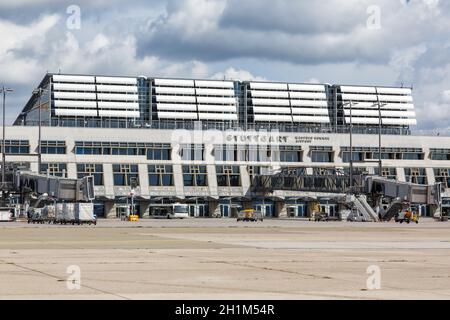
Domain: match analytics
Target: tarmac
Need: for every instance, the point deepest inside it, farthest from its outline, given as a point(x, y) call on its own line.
point(224, 259)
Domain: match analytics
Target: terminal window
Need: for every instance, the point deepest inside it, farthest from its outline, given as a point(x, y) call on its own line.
point(442, 175)
point(16, 146)
point(125, 174)
point(54, 169)
point(228, 176)
point(195, 176)
point(91, 169)
point(370, 153)
point(321, 154)
point(53, 147)
point(230, 152)
point(259, 153)
point(389, 173)
point(254, 171)
point(160, 175)
point(416, 175)
point(153, 151)
point(192, 152)
point(159, 152)
point(290, 154)
point(440, 154)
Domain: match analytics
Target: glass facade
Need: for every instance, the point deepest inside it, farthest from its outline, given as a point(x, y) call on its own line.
point(16, 146)
point(372, 153)
point(53, 147)
point(126, 175)
point(228, 176)
point(159, 152)
point(442, 175)
point(389, 173)
point(440, 154)
point(153, 151)
point(195, 176)
point(416, 175)
point(160, 175)
point(54, 169)
point(192, 152)
point(91, 169)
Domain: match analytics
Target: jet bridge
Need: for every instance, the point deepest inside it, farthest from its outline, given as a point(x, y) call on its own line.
point(64, 189)
point(401, 193)
point(404, 191)
point(363, 194)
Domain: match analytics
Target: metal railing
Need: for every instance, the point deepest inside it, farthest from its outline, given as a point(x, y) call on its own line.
point(221, 126)
point(431, 133)
point(338, 184)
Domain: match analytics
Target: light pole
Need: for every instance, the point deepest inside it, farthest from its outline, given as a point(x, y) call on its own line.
point(379, 132)
point(350, 103)
point(132, 202)
point(4, 90)
point(39, 92)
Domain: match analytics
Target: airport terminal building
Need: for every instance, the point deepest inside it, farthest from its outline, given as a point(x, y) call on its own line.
point(202, 142)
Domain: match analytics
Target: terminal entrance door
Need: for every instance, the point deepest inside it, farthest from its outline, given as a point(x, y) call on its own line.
point(329, 209)
point(198, 210)
point(266, 209)
point(122, 211)
point(225, 210)
point(296, 211)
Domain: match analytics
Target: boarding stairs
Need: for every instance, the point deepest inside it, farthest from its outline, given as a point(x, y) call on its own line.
point(363, 209)
point(393, 209)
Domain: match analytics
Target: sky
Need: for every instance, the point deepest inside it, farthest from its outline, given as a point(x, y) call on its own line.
point(367, 42)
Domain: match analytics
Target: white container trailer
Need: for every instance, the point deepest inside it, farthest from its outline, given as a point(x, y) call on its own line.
point(69, 212)
point(5, 216)
point(84, 213)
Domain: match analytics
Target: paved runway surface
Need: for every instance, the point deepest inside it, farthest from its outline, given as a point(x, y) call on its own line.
point(224, 259)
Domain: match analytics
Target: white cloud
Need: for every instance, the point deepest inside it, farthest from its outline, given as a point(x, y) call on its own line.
point(17, 38)
point(403, 61)
point(261, 39)
point(196, 16)
point(234, 74)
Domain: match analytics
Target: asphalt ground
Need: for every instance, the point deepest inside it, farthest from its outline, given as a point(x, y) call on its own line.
point(225, 259)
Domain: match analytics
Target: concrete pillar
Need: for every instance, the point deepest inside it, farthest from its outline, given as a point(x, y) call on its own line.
point(145, 209)
point(430, 176)
point(108, 179)
point(401, 174)
point(212, 181)
point(34, 167)
point(178, 180)
point(110, 210)
point(143, 180)
point(245, 179)
point(72, 170)
point(214, 208)
point(280, 209)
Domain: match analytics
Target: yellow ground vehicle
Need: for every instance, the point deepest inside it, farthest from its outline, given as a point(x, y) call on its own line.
point(133, 217)
point(250, 215)
point(316, 214)
point(407, 216)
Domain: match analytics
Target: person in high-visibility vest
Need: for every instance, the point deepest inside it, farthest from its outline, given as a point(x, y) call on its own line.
point(408, 214)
